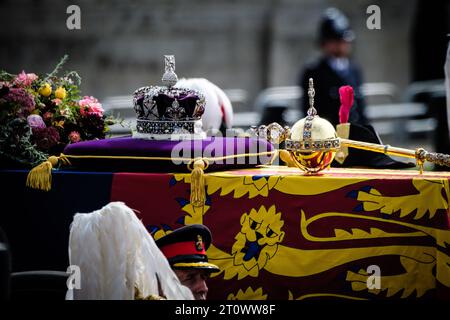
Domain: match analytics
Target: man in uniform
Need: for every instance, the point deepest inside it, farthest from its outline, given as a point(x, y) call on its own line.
point(185, 249)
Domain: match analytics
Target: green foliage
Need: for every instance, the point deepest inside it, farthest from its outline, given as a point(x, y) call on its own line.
point(16, 145)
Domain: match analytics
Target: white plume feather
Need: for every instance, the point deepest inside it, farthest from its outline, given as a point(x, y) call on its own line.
point(116, 254)
point(218, 106)
point(225, 106)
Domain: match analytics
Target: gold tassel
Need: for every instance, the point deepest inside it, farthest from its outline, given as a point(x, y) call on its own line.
point(40, 177)
point(198, 196)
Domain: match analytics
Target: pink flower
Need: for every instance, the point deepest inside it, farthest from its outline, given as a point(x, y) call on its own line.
point(90, 105)
point(35, 121)
point(57, 101)
point(48, 116)
point(74, 136)
point(25, 79)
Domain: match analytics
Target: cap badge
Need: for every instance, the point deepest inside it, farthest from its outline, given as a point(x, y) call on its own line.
point(199, 243)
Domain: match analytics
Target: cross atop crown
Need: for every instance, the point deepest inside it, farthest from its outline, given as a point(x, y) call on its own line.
point(169, 78)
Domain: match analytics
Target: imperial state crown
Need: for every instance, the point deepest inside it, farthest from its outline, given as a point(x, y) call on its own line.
point(167, 112)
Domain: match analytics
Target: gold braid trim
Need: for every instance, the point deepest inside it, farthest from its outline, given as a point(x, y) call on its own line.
point(40, 177)
point(188, 160)
point(194, 264)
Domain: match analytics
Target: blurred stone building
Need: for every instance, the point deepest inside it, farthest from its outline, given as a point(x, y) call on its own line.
point(249, 44)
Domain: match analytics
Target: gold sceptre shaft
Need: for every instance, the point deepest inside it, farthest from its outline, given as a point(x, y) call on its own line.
point(381, 148)
point(420, 154)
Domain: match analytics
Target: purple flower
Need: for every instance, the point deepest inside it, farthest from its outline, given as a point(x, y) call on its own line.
point(45, 138)
point(22, 98)
point(35, 121)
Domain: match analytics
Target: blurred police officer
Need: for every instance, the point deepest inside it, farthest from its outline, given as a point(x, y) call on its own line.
point(334, 69)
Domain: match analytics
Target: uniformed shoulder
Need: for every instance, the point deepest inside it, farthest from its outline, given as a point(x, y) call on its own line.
point(311, 69)
point(312, 64)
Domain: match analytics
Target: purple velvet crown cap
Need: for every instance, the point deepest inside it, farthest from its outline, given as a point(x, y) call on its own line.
point(165, 104)
point(168, 103)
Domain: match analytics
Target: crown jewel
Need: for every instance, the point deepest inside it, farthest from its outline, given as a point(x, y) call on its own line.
point(311, 143)
point(168, 112)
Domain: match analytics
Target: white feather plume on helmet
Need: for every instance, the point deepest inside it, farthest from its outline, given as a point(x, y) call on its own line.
point(117, 256)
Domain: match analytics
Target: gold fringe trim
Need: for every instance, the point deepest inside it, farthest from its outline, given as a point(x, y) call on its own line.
point(40, 177)
point(188, 160)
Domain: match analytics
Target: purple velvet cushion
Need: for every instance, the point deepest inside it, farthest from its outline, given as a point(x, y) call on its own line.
point(139, 155)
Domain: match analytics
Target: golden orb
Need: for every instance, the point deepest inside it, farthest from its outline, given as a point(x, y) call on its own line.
point(313, 144)
point(313, 140)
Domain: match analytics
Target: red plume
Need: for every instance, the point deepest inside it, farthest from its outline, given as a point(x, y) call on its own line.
point(346, 96)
